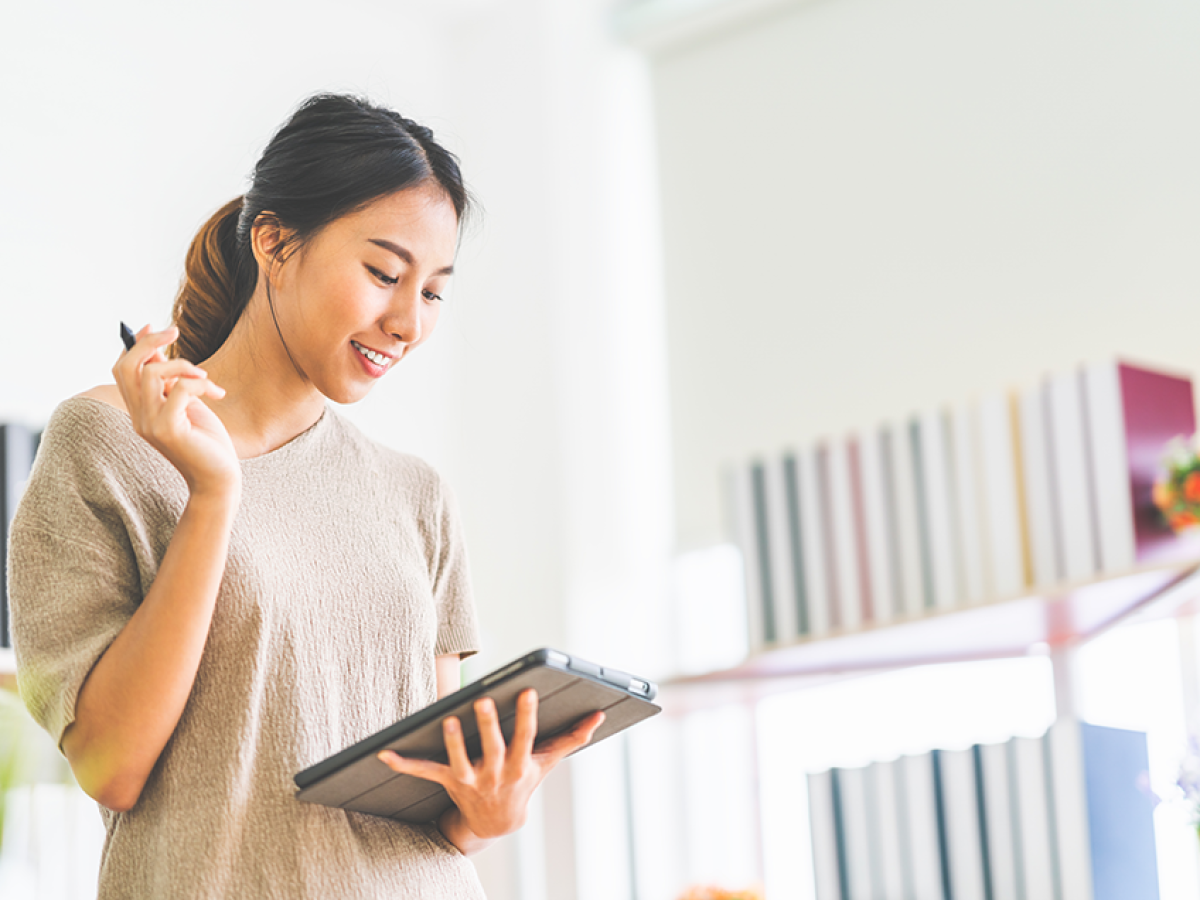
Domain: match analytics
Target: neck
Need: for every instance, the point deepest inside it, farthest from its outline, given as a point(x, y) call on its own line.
point(268, 402)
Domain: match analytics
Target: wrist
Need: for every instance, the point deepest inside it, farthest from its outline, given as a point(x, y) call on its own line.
point(217, 499)
point(454, 829)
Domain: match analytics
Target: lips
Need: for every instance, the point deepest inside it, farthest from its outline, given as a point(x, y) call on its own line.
point(379, 359)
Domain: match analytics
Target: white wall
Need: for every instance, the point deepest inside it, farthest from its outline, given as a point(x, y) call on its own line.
point(542, 397)
point(875, 206)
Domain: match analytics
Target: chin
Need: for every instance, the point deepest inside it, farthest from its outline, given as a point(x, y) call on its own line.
point(344, 394)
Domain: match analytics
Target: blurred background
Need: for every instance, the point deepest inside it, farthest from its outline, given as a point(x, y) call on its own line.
point(710, 229)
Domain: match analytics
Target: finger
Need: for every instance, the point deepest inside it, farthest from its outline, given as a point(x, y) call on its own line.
point(490, 737)
point(173, 368)
point(152, 343)
point(456, 751)
point(172, 411)
point(421, 768)
point(563, 745)
point(525, 730)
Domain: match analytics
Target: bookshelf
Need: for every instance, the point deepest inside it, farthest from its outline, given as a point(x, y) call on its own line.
point(1063, 616)
point(1017, 524)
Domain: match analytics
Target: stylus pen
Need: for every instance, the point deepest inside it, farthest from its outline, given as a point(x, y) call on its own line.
point(127, 336)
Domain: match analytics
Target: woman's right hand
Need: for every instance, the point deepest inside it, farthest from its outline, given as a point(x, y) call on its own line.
point(163, 399)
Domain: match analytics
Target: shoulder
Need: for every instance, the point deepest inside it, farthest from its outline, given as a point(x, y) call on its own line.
point(105, 393)
point(396, 469)
point(89, 438)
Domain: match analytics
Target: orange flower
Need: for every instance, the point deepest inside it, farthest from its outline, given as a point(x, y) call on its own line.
point(1183, 520)
point(1191, 488)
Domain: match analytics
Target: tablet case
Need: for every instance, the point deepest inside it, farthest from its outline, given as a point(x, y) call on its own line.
point(568, 689)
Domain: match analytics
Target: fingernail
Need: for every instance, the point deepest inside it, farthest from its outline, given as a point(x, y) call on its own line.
point(451, 724)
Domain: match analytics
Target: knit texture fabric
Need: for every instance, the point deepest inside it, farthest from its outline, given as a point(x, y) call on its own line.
point(346, 576)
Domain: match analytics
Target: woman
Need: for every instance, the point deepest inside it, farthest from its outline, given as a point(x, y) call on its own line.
point(216, 581)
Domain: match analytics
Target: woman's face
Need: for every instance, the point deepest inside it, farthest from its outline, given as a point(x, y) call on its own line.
point(364, 292)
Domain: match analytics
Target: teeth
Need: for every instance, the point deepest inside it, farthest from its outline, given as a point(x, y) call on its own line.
point(378, 358)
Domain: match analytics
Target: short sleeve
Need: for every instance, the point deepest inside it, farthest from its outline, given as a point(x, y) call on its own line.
point(457, 628)
point(73, 574)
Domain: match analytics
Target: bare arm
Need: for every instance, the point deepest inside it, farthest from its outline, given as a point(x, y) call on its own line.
point(131, 701)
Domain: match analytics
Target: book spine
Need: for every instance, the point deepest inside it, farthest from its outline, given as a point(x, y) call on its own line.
point(1068, 800)
point(1110, 467)
point(798, 534)
point(858, 516)
point(909, 527)
point(743, 522)
point(828, 863)
point(920, 802)
point(964, 842)
point(1120, 814)
point(780, 544)
point(844, 538)
point(815, 534)
point(1073, 495)
point(1034, 821)
point(894, 855)
point(999, 808)
point(1000, 498)
point(1038, 496)
point(935, 480)
point(968, 513)
point(878, 514)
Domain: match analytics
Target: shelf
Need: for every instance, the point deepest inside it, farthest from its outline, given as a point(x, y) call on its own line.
point(1014, 627)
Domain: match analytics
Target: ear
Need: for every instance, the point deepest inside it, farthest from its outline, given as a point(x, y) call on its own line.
point(269, 242)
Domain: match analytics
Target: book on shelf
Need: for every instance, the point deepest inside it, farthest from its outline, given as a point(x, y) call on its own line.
point(859, 833)
point(998, 822)
point(1132, 414)
point(814, 538)
point(895, 863)
point(827, 855)
point(740, 493)
point(1006, 563)
point(966, 481)
point(877, 538)
point(965, 858)
point(960, 506)
point(916, 777)
point(1104, 818)
point(934, 501)
point(1041, 818)
point(1070, 467)
point(781, 545)
point(1037, 488)
point(17, 447)
point(847, 571)
point(900, 472)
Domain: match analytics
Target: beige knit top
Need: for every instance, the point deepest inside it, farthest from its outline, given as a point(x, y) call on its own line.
point(346, 576)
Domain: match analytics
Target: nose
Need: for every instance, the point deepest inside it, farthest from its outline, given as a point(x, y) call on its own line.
point(403, 317)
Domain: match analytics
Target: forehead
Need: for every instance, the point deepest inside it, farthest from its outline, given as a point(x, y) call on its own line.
point(420, 219)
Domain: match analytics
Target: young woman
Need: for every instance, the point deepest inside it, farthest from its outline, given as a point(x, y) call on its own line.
point(216, 581)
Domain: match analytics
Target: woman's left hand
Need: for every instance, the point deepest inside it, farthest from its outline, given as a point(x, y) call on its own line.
point(491, 794)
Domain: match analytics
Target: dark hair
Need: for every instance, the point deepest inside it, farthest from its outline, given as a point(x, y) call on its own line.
point(336, 154)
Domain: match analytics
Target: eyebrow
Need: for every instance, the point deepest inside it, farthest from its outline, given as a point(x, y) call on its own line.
point(405, 255)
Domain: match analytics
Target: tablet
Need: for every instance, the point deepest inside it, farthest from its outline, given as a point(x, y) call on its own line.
point(569, 688)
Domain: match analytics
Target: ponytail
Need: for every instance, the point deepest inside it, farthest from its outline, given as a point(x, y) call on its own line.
point(219, 277)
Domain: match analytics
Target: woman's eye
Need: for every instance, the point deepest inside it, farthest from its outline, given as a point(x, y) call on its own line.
point(386, 279)
point(431, 296)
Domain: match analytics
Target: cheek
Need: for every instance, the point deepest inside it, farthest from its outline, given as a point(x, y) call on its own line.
point(429, 318)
